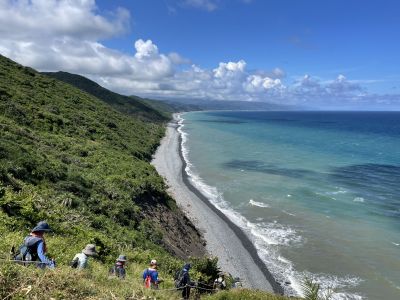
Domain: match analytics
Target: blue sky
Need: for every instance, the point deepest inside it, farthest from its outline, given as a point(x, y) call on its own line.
point(333, 54)
point(360, 39)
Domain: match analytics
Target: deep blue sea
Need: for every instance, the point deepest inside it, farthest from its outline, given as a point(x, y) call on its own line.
point(317, 192)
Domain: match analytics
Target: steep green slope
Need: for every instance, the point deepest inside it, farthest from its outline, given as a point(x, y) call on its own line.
point(134, 106)
point(71, 159)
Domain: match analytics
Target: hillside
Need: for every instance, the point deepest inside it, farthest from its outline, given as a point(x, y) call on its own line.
point(69, 158)
point(134, 106)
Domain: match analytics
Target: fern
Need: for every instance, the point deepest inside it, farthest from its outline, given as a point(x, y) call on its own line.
point(310, 289)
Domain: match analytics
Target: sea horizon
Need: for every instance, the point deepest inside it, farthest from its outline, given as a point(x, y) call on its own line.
point(281, 228)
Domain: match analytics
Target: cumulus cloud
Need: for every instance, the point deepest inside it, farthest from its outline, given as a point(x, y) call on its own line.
point(256, 83)
point(37, 18)
point(66, 35)
point(342, 86)
point(52, 35)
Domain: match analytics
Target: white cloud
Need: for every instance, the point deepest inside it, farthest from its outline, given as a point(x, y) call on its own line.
point(65, 35)
point(342, 86)
point(38, 18)
point(256, 83)
point(230, 69)
point(145, 50)
point(52, 35)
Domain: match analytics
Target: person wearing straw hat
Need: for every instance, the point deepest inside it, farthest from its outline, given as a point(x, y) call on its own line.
point(119, 267)
point(80, 260)
point(34, 247)
point(150, 276)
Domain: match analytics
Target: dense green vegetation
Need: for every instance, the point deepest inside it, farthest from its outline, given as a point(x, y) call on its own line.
point(68, 158)
point(82, 165)
point(147, 109)
point(134, 105)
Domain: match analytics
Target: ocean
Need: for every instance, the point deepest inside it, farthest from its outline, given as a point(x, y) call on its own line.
point(318, 193)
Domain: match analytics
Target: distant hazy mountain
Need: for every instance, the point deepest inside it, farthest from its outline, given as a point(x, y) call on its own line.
point(151, 109)
point(196, 104)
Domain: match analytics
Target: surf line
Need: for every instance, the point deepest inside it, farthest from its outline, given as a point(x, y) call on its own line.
point(244, 239)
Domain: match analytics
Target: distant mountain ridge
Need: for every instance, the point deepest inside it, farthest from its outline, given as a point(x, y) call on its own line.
point(135, 106)
point(161, 109)
point(228, 104)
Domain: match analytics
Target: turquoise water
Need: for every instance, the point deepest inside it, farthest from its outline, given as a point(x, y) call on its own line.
point(318, 193)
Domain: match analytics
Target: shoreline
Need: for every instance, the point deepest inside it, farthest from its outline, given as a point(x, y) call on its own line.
point(225, 240)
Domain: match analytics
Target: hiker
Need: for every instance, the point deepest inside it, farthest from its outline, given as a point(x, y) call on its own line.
point(34, 247)
point(118, 269)
point(80, 260)
point(183, 281)
point(150, 276)
point(220, 283)
point(237, 283)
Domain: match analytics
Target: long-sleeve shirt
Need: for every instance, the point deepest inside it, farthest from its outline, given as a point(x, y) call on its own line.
point(42, 256)
point(82, 259)
point(37, 248)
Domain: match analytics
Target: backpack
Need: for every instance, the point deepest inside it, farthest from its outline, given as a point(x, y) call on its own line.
point(74, 263)
point(178, 278)
point(119, 272)
point(23, 254)
point(147, 281)
point(28, 250)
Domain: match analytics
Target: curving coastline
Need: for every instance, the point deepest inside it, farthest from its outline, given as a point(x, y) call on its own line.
point(237, 254)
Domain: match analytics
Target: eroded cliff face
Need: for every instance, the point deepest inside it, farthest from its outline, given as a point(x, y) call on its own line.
point(179, 236)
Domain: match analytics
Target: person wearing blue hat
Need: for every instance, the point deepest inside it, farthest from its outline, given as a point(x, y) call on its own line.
point(185, 281)
point(36, 245)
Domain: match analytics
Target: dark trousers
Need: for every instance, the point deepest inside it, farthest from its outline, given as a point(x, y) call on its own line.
point(186, 292)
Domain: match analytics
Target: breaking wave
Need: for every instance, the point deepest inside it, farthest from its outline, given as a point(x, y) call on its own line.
point(259, 204)
point(268, 237)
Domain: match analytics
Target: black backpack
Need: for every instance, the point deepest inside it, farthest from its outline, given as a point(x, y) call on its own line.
point(178, 278)
point(74, 263)
point(28, 250)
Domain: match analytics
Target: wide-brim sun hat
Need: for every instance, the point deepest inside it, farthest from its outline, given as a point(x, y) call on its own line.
point(121, 258)
point(42, 226)
point(90, 250)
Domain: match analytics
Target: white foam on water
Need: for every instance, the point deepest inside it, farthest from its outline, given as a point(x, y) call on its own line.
point(396, 244)
point(268, 237)
point(274, 233)
point(340, 191)
point(258, 204)
point(288, 213)
point(359, 199)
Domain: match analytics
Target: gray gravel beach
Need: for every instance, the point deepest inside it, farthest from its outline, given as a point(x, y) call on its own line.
point(225, 240)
